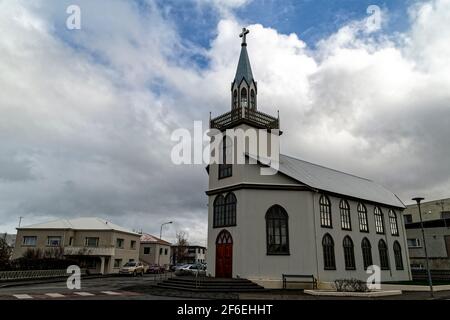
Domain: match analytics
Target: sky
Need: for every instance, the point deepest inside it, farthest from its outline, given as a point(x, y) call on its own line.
point(86, 116)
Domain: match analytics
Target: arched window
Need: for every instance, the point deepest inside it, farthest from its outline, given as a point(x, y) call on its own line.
point(325, 212)
point(329, 261)
point(398, 256)
point(393, 222)
point(362, 217)
point(349, 253)
point(367, 253)
point(252, 99)
point(379, 223)
point(383, 251)
point(219, 211)
point(277, 231)
point(235, 102)
point(230, 210)
point(244, 98)
point(345, 215)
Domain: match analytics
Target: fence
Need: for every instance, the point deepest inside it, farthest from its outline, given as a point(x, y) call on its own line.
point(438, 275)
point(34, 274)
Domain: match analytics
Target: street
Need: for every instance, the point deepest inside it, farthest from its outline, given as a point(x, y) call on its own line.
point(110, 288)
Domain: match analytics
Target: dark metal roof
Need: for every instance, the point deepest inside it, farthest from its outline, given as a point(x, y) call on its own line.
point(244, 70)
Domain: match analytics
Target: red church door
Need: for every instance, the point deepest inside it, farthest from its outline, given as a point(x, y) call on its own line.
point(224, 255)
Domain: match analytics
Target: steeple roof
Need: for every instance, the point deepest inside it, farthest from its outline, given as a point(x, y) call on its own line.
point(244, 70)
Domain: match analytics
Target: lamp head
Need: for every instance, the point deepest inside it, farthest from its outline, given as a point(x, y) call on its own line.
point(418, 199)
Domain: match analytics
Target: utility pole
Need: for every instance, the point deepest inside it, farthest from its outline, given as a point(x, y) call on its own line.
point(430, 281)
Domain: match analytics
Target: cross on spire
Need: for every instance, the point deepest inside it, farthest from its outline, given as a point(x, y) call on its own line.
point(243, 35)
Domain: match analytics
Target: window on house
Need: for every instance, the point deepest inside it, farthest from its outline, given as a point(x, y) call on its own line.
point(252, 99)
point(29, 241)
point(120, 243)
point(398, 256)
point(117, 263)
point(379, 223)
point(235, 99)
point(277, 233)
point(225, 168)
point(393, 222)
point(165, 252)
point(383, 252)
point(349, 254)
point(414, 243)
point(345, 215)
point(325, 212)
point(219, 211)
point(244, 98)
point(362, 217)
point(91, 242)
point(445, 214)
point(54, 241)
point(160, 251)
point(133, 244)
point(146, 250)
point(329, 261)
point(71, 241)
point(224, 211)
point(408, 218)
point(367, 253)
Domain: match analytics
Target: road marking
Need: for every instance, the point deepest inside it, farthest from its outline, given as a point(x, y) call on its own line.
point(84, 294)
point(112, 293)
point(22, 296)
point(55, 295)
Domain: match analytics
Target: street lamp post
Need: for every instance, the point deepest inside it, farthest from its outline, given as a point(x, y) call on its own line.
point(430, 281)
point(160, 237)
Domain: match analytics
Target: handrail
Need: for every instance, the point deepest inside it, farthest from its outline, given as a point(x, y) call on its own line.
point(253, 116)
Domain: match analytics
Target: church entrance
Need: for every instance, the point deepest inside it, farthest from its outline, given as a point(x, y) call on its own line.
point(224, 255)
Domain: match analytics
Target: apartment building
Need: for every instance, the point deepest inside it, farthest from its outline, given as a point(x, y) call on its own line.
point(96, 244)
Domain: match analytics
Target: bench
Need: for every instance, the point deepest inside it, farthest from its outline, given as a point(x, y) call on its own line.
point(306, 278)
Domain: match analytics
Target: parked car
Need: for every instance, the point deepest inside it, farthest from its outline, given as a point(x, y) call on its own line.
point(192, 270)
point(154, 268)
point(132, 268)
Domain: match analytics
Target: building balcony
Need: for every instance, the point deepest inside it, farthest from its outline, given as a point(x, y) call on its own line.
point(89, 251)
point(248, 116)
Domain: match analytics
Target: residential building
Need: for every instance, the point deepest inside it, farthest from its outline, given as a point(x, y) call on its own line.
point(188, 254)
point(431, 210)
point(437, 236)
point(301, 219)
point(153, 250)
point(98, 245)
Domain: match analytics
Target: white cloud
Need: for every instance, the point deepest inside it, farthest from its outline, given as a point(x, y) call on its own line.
point(87, 115)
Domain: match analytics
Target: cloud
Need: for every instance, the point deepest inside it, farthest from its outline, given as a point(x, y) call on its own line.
point(87, 115)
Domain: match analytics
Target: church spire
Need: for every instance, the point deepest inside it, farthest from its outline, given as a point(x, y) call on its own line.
point(244, 69)
point(243, 88)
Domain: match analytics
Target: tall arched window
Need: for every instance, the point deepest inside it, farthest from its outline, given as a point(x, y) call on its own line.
point(325, 212)
point(367, 253)
point(277, 231)
point(244, 98)
point(379, 221)
point(329, 261)
point(398, 256)
point(230, 210)
point(235, 102)
point(252, 99)
point(345, 215)
point(349, 253)
point(383, 251)
point(219, 211)
point(393, 222)
point(362, 217)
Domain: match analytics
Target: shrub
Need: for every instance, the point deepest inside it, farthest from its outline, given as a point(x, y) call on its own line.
point(350, 285)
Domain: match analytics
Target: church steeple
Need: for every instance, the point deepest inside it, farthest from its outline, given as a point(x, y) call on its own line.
point(243, 88)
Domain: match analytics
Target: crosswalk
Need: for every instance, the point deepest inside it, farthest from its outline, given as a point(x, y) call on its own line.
point(69, 295)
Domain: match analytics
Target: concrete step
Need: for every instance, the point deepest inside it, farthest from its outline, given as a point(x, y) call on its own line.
point(210, 285)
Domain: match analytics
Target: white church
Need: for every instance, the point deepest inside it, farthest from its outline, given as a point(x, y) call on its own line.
point(304, 220)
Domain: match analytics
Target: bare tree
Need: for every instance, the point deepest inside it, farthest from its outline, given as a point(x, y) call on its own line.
point(181, 247)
